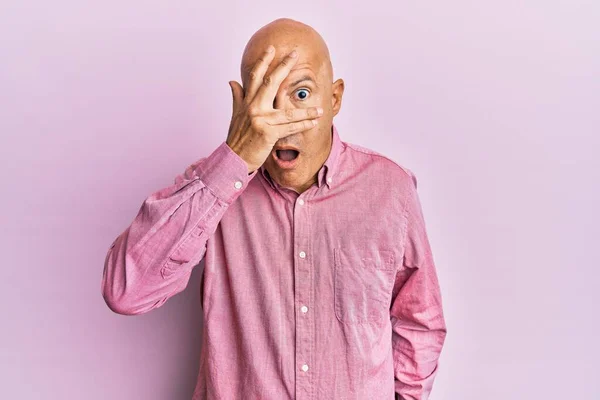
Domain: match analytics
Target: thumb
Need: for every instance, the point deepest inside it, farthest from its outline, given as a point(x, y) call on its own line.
point(238, 94)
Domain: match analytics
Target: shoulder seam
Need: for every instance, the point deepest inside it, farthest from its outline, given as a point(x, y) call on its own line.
point(370, 152)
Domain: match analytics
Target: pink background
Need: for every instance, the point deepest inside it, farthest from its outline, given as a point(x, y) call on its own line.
point(494, 105)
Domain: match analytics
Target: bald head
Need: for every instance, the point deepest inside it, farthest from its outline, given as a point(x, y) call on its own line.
point(286, 35)
point(308, 83)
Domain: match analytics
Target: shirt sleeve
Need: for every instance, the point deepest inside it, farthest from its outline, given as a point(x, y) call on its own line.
point(153, 258)
point(418, 326)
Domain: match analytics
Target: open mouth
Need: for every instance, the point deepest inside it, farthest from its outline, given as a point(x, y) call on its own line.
point(287, 155)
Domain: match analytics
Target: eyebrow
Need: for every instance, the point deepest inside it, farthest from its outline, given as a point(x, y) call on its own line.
point(302, 79)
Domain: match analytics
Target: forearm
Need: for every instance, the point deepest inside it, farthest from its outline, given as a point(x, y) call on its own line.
point(416, 354)
point(153, 258)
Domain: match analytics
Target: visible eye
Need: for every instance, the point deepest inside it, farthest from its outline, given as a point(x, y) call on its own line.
point(302, 94)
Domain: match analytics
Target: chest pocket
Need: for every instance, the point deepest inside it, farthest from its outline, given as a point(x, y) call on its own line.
point(363, 284)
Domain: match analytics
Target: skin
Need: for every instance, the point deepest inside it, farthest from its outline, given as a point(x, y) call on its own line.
point(275, 107)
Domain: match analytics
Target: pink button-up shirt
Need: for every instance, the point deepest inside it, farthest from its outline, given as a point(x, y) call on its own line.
point(328, 294)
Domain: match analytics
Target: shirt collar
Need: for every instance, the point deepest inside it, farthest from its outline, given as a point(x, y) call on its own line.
point(327, 171)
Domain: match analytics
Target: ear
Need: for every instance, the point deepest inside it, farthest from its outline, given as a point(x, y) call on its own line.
point(336, 95)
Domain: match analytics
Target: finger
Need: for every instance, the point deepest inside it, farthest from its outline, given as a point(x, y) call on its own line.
point(270, 85)
point(295, 127)
point(286, 116)
point(256, 75)
point(237, 93)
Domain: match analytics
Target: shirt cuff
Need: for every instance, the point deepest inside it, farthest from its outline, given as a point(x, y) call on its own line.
point(225, 173)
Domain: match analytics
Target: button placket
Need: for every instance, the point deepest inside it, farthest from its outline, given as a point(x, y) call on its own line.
point(303, 294)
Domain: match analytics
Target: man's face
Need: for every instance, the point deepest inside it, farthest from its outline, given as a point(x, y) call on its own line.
point(309, 84)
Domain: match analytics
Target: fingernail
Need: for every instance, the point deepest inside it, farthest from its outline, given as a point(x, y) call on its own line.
point(293, 54)
point(319, 111)
point(270, 48)
point(314, 122)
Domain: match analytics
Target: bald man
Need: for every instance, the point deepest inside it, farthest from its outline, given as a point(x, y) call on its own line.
point(319, 280)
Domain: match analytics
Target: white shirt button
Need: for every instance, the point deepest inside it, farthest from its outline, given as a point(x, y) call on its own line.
point(304, 309)
point(302, 254)
point(301, 202)
point(238, 185)
point(305, 368)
